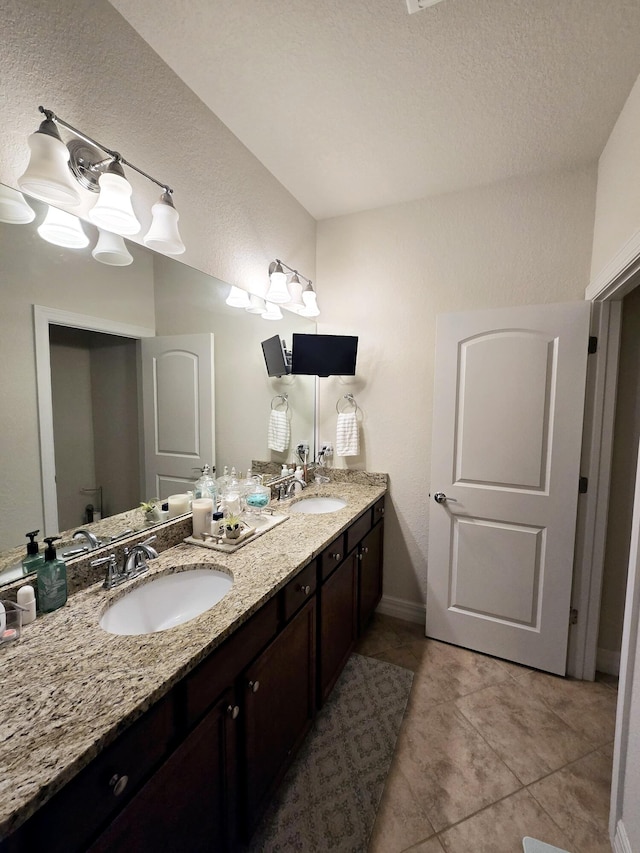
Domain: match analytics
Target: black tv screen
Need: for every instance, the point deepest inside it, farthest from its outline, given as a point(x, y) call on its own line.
point(324, 355)
point(274, 356)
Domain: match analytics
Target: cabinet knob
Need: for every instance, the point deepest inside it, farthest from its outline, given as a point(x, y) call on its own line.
point(118, 784)
point(335, 556)
point(380, 510)
point(254, 686)
point(233, 711)
point(365, 550)
point(305, 590)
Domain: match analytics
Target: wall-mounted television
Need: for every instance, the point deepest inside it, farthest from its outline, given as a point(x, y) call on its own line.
point(276, 356)
point(324, 355)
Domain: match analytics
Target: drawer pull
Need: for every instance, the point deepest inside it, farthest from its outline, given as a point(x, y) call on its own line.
point(254, 686)
point(233, 711)
point(335, 556)
point(365, 550)
point(118, 784)
point(305, 590)
point(380, 510)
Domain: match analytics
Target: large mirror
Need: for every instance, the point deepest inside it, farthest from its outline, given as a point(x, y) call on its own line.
point(94, 413)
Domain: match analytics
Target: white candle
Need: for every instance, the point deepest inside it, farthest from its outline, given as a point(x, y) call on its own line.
point(178, 505)
point(202, 511)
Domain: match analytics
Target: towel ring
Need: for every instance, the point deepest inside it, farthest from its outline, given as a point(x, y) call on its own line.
point(350, 400)
point(284, 401)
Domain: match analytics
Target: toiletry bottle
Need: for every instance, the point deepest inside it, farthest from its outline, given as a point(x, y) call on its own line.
point(52, 579)
point(205, 486)
point(34, 559)
point(26, 598)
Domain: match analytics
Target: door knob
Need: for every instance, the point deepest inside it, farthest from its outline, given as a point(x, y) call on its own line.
point(441, 498)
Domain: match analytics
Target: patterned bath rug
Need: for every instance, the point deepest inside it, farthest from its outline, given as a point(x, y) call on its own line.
point(330, 794)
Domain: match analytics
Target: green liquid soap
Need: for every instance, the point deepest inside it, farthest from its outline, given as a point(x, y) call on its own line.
point(52, 579)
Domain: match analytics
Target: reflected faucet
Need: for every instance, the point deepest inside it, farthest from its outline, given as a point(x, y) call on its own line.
point(91, 539)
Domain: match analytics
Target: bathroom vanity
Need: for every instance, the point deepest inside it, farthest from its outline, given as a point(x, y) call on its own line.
point(178, 739)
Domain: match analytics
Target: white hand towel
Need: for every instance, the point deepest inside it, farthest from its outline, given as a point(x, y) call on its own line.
point(279, 431)
point(347, 435)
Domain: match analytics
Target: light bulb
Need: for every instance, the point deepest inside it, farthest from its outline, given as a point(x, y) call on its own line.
point(256, 305)
point(63, 229)
point(238, 298)
point(13, 207)
point(273, 312)
point(47, 176)
point(111, 250)
point(163, 234)
point(278, 291)
point(113, 210)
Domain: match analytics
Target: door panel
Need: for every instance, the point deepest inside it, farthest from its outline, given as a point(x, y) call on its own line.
point(178, 405)
point(508, 409)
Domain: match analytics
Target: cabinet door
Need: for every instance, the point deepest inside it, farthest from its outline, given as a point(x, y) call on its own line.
point(369, 575)
point(279, 709)
point(189, 804)
point(338, 623)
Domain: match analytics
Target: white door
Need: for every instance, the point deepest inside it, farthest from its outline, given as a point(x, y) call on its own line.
point(178, 411)
point(508, 409)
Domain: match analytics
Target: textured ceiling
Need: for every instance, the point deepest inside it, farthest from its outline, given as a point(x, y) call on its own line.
point(355, 104)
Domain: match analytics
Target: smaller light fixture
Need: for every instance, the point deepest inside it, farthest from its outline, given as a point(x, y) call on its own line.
point(310, 303)
point(273, 312)
point(238, 298)
point(295, 289)
point(256, 305)
point(113, 210)
point(13, 207)
point(63, 229)
point(278, 291)
point(47, 176)
point(163, 234)
point(111, 250)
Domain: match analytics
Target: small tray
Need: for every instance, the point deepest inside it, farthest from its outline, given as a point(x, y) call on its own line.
point(260, 525)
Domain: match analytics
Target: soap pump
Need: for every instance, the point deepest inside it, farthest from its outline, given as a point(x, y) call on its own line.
point(33, 559)
point(52, 579)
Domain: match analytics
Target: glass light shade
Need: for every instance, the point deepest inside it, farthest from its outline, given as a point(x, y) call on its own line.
point(163, 234)
point(14, 208)
point(278, 291)
point(63, 229)
point(237, 298)
point(310, 304)
point(47, 176)
point(111, 250)
point(273, 312)
point(113, 210)
point(295, 291)
point(256, 305)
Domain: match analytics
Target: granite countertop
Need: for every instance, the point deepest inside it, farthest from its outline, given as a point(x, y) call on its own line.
point(69, 688)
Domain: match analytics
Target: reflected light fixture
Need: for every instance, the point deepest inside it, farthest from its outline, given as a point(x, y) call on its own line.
point(53, 166)
point(63, 229)
point(111, 250)
point(237, 298)
point(256, 305)
point(13, 207)
point(272, 312)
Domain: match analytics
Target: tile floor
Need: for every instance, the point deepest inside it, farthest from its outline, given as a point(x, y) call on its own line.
point(490, 752)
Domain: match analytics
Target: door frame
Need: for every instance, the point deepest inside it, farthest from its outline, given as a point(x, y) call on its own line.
point(44, 317)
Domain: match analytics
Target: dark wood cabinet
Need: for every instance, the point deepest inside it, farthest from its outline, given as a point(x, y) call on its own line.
point(198, 769)
point(189, 803)
point(279, 706)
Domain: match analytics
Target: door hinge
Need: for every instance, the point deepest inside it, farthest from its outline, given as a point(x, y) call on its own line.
point(573, 616)
point(593, 345)
point(583, 485)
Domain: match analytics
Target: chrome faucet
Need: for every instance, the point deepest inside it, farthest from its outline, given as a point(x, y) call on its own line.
point(293, 487)
point(91, 539)
point(135, 563)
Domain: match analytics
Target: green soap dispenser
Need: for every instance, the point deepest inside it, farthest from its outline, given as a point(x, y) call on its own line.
point(52, 579)
point(33, 559)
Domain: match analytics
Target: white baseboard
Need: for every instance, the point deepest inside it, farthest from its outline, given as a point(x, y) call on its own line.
point(621, 840)
point(608, 662)
point(410, 611)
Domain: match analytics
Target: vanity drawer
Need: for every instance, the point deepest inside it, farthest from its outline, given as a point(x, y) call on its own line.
point(222, 667)
point(358, 530)
point(69, 820)
point(298, 591)
point(332, 556)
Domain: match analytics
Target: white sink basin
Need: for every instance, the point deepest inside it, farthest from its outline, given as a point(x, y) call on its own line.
point(317, 505)
point(166, 601)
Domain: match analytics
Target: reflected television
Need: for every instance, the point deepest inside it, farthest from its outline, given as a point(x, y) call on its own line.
point(275, 356)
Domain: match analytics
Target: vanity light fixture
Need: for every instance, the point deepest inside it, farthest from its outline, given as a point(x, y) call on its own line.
point(63, 229)
point(14, 209)
point(111, 250)
point(291, 292)
point(278, 291)
point(238, 298)
point(48, 177)
point(310, 302)
point(272, 312)
point(256, 304)
point(295, 289)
